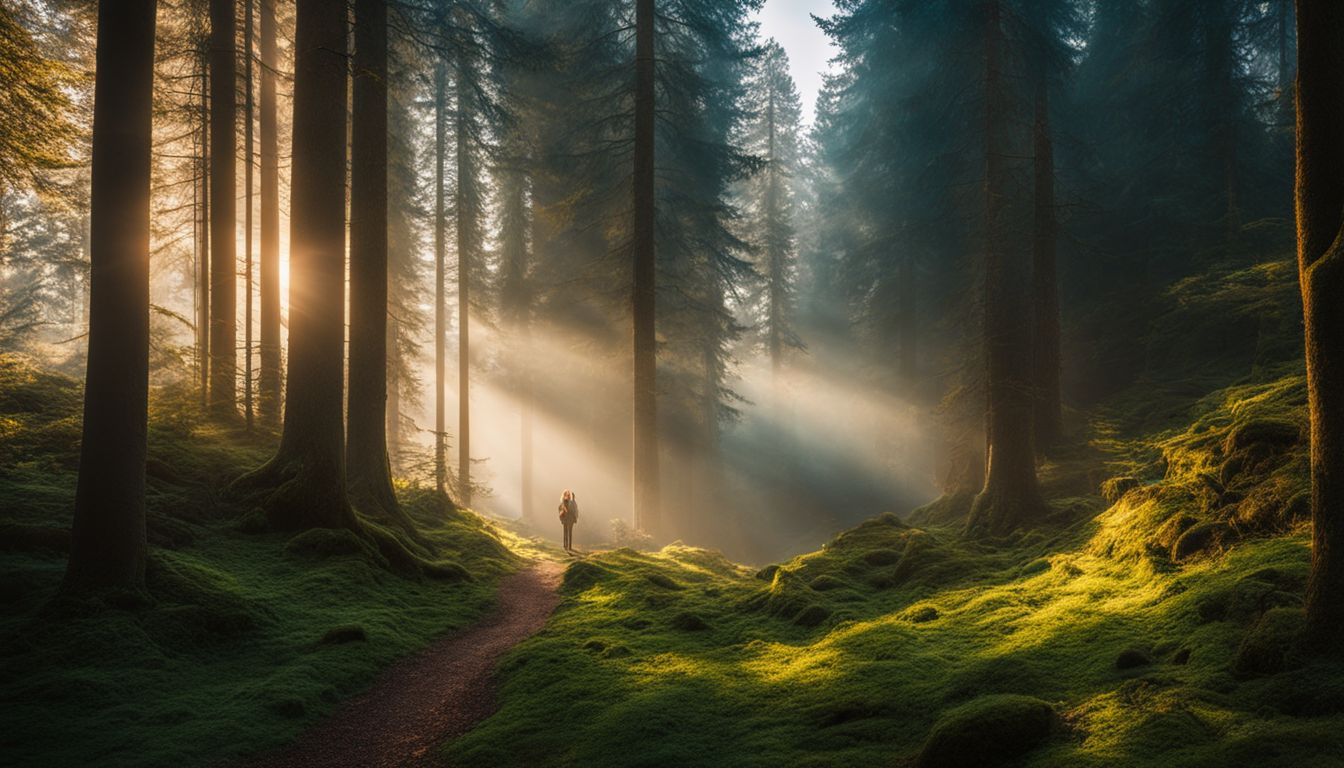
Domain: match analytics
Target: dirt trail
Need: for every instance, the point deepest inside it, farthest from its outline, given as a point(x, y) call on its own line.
point(431, 696)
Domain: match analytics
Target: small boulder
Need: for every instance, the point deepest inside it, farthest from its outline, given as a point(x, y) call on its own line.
point(812, 616)
point(1170, 531)
point(1131, 658)
point(1273, 645)
point(881, 557)
point(689, 622)
point(923, 614)
point(1270, 432)
point(350, 633)
point(826, 582)
point(1200, 538)
point(989, 731)
point(662, 580)
point(1115, 488)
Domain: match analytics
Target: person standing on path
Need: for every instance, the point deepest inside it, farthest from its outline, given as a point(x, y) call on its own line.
point(569, 515)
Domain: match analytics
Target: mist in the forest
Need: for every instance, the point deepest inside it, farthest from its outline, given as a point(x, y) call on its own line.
point(809, 449)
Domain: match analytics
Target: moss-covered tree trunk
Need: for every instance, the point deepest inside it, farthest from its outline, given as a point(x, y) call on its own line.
point(645, 438)
point(223, 209)
point(307, 474)
point(1010, 497)
point(107, 547)
point(1045, 288)
point(268, 387)
point(367, 466)
point(1320, 253)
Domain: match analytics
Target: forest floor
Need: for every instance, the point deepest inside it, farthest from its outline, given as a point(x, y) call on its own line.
point(244, 638)
point(433, 695)
point(1151, 618)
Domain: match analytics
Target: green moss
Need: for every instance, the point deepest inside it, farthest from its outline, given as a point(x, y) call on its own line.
point(989, 731)
point(928, 639)
point(232, 628)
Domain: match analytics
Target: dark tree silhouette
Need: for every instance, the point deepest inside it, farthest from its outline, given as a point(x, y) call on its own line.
point(248, 274)
point(1045, 288)
point(645, 438)
point(307, 474)
point(1010, 496)
point(440, 278)
point(269, 385)
point(367, 465)
point(223, 213)
point(107, 547)
point(1320, 259)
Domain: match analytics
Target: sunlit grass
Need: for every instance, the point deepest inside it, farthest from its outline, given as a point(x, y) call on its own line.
point(849, 655)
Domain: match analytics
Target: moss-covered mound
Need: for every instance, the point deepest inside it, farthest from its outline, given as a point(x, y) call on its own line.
point(989, 731)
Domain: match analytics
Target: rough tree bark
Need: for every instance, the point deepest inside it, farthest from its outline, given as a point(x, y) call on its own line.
point(223, 213)
point(1320, 258)
point(307, 474)
point(774, 259)
point(269, 384)
point(645, 428)
point(1045, 289)
point(107, 547)
point(440, 299)
point(1010, 497)
point(464, 205)
point(367, 466)
point(203, 270)
point(247, 214)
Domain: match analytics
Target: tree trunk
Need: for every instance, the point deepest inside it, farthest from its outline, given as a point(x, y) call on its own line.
point(269, 384)
point(525, 443)
point(1045, 289)
point(203, 285)
point(367, 464)
point(1010, 496)
point(773, 258)
point(1320, 258)
point(308, 471)
point(465, 208)
point(247, 215)
point(440, 300)
point(393, 396)
point(223, 213)
point(107, 543)
point(645, 437)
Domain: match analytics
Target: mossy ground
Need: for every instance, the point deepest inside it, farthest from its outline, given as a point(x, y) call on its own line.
point(241, 638)
point(1155, 611)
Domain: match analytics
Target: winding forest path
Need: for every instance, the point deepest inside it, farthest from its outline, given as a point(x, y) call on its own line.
point(430, 696)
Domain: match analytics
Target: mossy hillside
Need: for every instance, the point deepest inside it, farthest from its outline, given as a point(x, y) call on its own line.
point(879, 648)
point(240, 639)
point(1237, 468)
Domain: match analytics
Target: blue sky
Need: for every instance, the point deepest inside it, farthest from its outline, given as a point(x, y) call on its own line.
point(789, 22)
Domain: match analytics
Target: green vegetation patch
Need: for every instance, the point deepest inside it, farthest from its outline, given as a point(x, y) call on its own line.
point(1159, 631)
point(240, 639)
